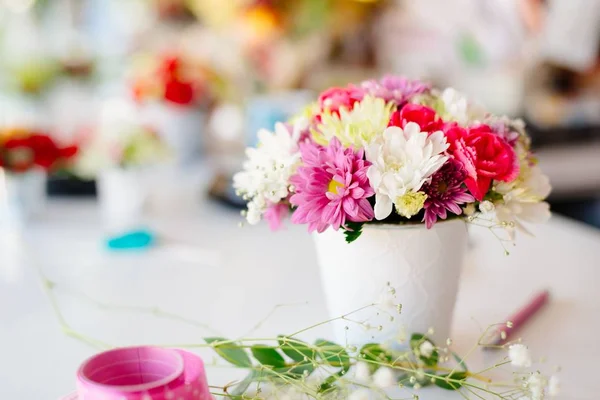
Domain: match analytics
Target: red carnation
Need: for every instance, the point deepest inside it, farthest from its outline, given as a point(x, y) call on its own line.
point(485, 156)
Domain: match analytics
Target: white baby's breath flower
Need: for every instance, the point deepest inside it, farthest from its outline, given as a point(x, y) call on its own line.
point(536, 384)
point(360, 394)
point(362, 372)
point(426, 349)
point(357, 127)
point(523, 198)
point(267, 171)
point(519, 355)
point(384, 378)
point(554, 386)
point(403, 159)
point(486, 207)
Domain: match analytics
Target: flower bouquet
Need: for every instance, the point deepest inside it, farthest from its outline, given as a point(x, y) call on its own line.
point(394, 167)
point(172, 90)
point(25, 158)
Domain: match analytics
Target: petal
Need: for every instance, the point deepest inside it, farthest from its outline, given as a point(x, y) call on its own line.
point(383, 206)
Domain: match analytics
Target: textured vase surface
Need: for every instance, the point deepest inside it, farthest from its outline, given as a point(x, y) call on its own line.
point(409, 271)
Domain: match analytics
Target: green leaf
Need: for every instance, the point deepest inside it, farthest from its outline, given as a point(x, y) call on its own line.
point(416, 340)
point(230, 351)
point(328, 383)
point(296, 351)
point(352, 231)
point(460, 361)
point(333, 354)
point(297, 371)
point(374, 352)
point(442, 381)
point(267, 355)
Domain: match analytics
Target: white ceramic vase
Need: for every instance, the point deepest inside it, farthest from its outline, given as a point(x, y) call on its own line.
point(122, 195)
point(22, 196)
point(410, 265)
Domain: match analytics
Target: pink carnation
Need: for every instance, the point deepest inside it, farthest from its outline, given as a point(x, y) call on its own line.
point(332, 187)
point(335, 98)
point(485, 156)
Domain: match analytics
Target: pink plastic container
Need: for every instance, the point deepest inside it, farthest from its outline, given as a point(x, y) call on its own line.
point(142, 373)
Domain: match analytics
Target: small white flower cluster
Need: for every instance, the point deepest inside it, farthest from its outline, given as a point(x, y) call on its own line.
point(265, 179)
point(536, 385)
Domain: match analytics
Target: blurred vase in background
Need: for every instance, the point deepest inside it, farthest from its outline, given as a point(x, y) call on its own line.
point(22, 196)
point(122, 195)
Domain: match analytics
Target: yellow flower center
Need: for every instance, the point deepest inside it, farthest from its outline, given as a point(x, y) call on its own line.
point(410, 204)
point(334, 186)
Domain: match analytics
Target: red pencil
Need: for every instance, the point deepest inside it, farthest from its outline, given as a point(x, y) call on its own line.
point(518, 319)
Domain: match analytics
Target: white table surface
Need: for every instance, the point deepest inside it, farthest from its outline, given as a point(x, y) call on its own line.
point(230, 278)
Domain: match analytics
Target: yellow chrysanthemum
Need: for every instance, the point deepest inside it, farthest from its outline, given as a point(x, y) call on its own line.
point(357, 127)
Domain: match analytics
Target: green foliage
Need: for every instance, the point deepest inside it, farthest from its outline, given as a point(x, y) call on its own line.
point(332, 353)
point(267, 356)
point(444, 382)
point(295, 349)
point(352, 231)
point(374, 352)
point(416, 340)
point(230, 351)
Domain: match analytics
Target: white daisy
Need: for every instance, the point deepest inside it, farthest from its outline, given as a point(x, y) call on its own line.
point(403, 160)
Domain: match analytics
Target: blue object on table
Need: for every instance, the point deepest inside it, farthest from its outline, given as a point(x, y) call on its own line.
point(135, 240)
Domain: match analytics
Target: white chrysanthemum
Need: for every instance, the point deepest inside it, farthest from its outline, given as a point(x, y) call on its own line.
point(384, 378)
point(519, 355)
point(426, 349)
point(536, 385)
point(357, 127)
point(523, 198)
point(403, 160)
point(362, 372)
point(457, 107)
point(265, 178)
point(554, 386)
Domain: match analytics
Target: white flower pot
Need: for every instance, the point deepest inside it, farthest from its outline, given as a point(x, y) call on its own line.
point(122, 195)
point(410, 265)
point(181, 128)
point(22, 195)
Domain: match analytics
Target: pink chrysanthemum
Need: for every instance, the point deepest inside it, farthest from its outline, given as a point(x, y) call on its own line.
point(398, 89)
point(331, 187)
point(445, 192)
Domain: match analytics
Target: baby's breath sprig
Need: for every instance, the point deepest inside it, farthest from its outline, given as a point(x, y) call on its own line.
point(289, 367)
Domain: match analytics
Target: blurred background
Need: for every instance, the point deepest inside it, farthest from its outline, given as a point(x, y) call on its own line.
point(89, 88)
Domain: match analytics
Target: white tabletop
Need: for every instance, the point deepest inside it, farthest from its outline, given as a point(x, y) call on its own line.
point(230, 278)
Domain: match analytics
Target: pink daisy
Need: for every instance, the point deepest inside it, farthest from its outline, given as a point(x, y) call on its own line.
point(445, 192)
point(331, 187)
